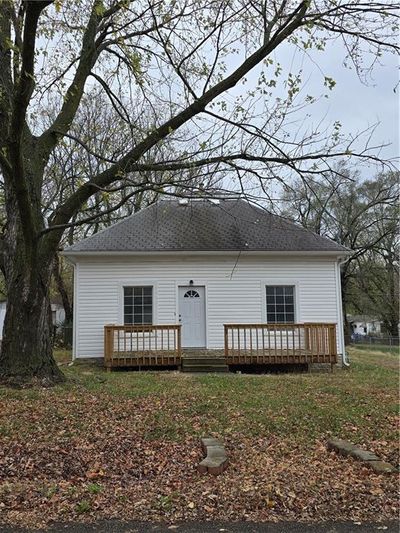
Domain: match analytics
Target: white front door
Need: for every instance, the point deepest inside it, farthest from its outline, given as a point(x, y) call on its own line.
point(192, 316)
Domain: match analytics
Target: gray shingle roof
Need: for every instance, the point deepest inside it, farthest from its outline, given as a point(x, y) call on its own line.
point(203, 225)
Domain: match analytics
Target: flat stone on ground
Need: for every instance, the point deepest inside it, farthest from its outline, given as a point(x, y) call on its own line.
point(209, 442)
point(364, 455)
point(341, 446)
point(347, 448)
point(381, 467)
point(216, 460)
point(215, 452)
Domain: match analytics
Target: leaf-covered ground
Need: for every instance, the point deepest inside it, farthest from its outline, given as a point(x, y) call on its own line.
point(126, 445)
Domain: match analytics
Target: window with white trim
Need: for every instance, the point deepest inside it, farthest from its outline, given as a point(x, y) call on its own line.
point(138, 305)
point(280, 304)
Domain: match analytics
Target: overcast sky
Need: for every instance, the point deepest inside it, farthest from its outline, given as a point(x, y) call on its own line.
point(356, 105)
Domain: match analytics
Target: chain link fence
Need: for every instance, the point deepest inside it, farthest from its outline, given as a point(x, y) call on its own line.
point(62, 336)
point(372, 341)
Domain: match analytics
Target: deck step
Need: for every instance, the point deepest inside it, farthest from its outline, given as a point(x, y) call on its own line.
point(204, 366)
point(206, 369)
point(202, 360)
point(198, 361)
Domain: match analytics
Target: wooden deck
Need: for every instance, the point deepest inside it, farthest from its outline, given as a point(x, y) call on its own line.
point(244, 344)
point(142, 346)
point(272, 357)
point(280, 343)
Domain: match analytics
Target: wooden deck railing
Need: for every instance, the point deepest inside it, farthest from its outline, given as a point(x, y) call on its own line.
point(280, 343)
point(144, 345)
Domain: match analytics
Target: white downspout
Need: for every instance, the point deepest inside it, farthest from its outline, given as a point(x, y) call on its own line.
point(339, 263)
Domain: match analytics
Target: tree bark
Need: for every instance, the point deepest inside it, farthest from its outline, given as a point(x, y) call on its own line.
point(26, 356)
point(27, 353)
point(344, 283)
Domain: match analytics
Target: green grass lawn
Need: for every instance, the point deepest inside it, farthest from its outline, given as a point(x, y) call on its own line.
point(125, 444)
point(303, 406)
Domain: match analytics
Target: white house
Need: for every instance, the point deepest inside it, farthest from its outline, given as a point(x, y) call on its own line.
point(365, 325)
point(208, 266)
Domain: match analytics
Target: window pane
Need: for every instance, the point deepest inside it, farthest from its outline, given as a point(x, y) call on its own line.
point(128, 291)
point(289, 317)
point(138, 305)
point(138, 300)
point(280, 303)
point(148, 291)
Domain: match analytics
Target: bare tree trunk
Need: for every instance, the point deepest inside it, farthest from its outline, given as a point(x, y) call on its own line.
point(393, 322)
point(26, 356)
point(26, 351)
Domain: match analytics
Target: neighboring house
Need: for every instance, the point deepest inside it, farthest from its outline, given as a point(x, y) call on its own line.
point(57, 314)
point(365, 325)
point(224, 273)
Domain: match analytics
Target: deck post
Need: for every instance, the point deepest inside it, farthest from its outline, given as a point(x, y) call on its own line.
point(332, 341)
point(226, 351)
point(307, 343)
point(179, 340)
point(108, 345)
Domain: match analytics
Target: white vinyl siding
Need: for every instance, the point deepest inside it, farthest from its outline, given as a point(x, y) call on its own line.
point(235, 293)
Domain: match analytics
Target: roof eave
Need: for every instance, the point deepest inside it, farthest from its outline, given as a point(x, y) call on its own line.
point(84, 253)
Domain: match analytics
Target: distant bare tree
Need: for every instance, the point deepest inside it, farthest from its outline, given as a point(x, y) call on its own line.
point(363, 216)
